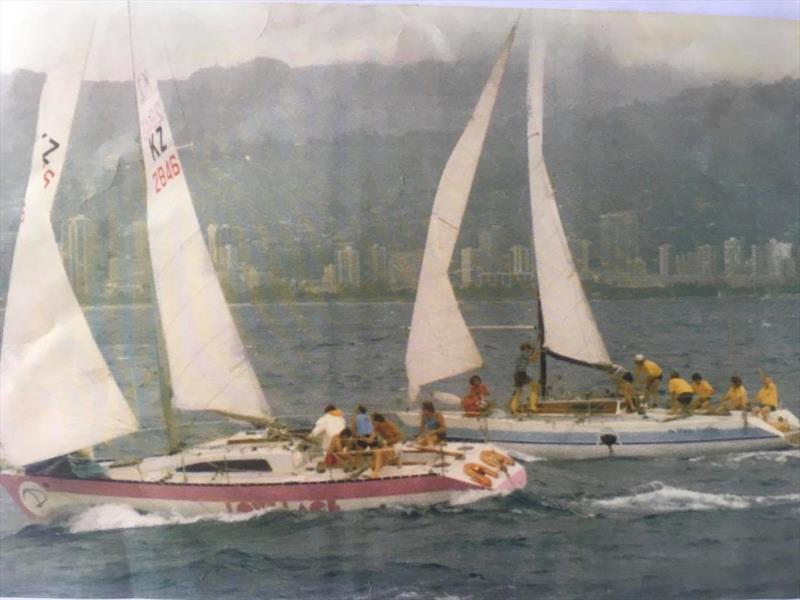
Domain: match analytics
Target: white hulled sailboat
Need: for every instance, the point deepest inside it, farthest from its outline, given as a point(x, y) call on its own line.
point(440, 344)
point(59, 397)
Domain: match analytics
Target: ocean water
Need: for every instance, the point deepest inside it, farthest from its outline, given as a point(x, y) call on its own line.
point(709, 527)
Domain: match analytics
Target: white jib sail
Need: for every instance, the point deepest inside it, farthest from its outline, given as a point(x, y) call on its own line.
point(439, 343)
point(57, 394)
point(570, 331)
point(208, 365)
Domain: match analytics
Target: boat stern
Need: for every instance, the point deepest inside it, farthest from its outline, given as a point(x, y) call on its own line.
point(486, 467)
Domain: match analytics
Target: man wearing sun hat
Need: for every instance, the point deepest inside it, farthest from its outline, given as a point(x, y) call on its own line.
point(648, 376)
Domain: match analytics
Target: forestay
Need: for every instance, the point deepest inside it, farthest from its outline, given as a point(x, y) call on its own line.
point(440, 344)
point(208, 364)
point(570, 331)
point(57, 394)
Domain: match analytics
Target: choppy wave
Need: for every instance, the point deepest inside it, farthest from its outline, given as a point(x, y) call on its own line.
point(122, 516)
point(780, 457)
point(661, 498)
point(776, 456)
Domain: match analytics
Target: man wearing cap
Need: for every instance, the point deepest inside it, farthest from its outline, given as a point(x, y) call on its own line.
point(648, 376)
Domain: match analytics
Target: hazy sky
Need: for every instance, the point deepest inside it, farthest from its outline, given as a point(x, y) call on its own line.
point(195, 35)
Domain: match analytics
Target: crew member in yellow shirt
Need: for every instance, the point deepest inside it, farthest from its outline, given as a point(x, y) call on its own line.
point(702, 391)
point(648, 376)
point(767, 396)
point(680, 393)
point(736, 396)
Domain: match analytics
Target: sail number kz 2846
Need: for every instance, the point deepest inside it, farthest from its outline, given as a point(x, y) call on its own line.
point(169, 169)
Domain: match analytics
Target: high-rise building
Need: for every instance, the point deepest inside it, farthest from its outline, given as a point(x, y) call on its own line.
point(778, 255)
point(580, 254)
point(239, 240)
point(81, 254)
point(619, 240)
point(212, 242)
point(732, 256)
point(520, 260)
point(329, 278)
point(140, 244)
point(404, 269)
point(116, 272)
point(470, 266)
point(489, 244)
point(251, 278)
point(378, 264)
point(706, 260)
point(348, 267)
point(665, 266)
point(758, 261)
point(126, 276)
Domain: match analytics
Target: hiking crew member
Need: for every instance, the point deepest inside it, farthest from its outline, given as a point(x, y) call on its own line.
point(362, 426)
point(328, 425)
point(736, 396)
point(767, 396)
point(703, 392)
point(339, 451)
point(475, 402)
point(625, 389)
point(388, 431)
point(432, 429)
point(527, 355)
point(680, 392)
point(392, 437)
point(648, 377)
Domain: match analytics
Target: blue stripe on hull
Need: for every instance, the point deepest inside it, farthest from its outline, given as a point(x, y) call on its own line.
point(679, 436)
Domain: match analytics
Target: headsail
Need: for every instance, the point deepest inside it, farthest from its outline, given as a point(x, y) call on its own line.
point(439, 344)
point(57, 394)
point(208, 364)
point(570, 331)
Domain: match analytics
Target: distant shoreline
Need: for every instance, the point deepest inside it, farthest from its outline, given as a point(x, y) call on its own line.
point(516, 296)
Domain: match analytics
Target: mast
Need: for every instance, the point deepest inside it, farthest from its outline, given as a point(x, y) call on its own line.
point(164, 385)
point(542, 352)
point(174, 441)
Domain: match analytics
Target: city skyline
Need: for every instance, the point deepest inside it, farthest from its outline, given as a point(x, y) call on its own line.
point(246, 265)
point(366, 176)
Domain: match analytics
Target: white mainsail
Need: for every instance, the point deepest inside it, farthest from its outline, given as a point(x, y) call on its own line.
point(570, 331)
point(208, 365)
point(439, 344)
point(57, 394)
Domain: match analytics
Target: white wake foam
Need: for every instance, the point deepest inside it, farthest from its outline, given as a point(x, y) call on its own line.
point(122, 516)
point(780, 457)
point(523, 456)
point(662, 498)
point(470, 496)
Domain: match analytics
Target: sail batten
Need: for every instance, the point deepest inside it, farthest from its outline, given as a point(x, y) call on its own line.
point(440, 344)
point(570, 330)
point(209, 366)
point(57, 394)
